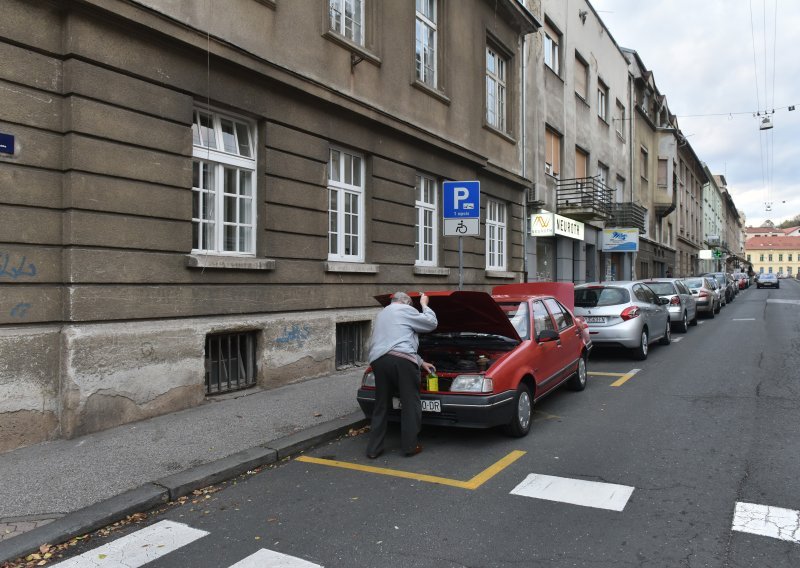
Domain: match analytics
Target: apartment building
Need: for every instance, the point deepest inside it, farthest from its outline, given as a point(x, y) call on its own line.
point(774, 254)
point(205, 198)
point(713, 221)
point(579, 91)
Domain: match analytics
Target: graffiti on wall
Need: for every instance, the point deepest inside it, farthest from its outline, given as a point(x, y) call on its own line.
point(295, 334)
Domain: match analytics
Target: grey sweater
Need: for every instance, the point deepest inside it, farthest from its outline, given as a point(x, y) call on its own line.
point(396, 328)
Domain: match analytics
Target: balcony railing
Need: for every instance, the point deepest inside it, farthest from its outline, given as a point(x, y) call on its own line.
point(629, 215)
point(586, 199)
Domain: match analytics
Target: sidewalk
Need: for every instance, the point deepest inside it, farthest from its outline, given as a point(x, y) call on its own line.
point(55, 490)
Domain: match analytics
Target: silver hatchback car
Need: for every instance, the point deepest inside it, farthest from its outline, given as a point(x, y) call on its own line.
point(682, 306)
point(705, 295)
point(627, 314)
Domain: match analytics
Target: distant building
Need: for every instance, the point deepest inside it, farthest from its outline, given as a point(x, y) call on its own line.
point(774, 254)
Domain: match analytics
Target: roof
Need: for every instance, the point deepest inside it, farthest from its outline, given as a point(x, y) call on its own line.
point(774, 243)
point(771, 230)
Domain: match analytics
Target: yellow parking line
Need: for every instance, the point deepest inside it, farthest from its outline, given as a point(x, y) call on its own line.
point(473, 483)
point(599, 374)
point(624, 378)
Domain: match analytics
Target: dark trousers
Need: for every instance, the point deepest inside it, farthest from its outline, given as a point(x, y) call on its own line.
point(395, 375)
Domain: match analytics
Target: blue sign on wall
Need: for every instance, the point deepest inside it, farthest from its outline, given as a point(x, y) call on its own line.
point(462, 200)
point(6, 143)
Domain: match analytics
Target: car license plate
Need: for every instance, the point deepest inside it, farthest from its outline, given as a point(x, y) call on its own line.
point(427, 405)
point(595, 319)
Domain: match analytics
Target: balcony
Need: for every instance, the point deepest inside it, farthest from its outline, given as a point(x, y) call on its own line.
point(665, 200)
point(584, 199)
point(628, 215)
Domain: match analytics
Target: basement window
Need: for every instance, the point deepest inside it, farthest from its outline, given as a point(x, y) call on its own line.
point(230, 361)
point(350, 341)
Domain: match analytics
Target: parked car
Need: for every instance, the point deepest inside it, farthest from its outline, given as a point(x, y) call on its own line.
point(725, 284)
point(682, 306)
point(742, 280)
point(719, 292)
point(496, 355)
point(623, 314)
point(704, 292)
point(768, 280)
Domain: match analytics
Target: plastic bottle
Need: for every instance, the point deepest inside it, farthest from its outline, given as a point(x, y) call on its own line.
point(433, 381)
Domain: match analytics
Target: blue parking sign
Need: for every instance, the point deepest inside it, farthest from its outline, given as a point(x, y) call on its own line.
point(462, 199)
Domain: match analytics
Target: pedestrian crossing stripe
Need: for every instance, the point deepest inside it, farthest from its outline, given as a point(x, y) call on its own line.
point(775, 522)
point(150, 543)
point(138, 548)
point(575, 491)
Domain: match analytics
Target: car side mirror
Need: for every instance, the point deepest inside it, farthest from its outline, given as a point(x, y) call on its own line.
point(663, 301)
point(547, 335)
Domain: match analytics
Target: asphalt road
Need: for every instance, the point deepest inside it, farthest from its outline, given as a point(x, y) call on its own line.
point(685, 456)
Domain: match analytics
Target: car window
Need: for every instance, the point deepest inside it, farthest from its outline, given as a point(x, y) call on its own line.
point(661, 288)
point(517, 313)
point(567, 314)
point(682, 287)
point(541, 318)
point(694, 283)
point(558, 314)
point(597, 296)
point(640, 293)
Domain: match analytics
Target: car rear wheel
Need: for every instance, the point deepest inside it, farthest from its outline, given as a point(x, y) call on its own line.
point(667, 339)
point(520, 423)
point(694, 321)
point(640, 352)
point(684, 327)
point(578, 381)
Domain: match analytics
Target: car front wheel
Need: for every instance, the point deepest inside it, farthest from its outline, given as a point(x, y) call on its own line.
point(640, 352)
point(520, 423)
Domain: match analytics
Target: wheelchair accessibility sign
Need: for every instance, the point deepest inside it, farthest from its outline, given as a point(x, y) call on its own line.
point(461, 208)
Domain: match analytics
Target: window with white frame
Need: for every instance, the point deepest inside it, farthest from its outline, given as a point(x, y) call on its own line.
point(345, 206)
point(223, 184)
point(347, 19)
point(495, 89)
point(427, 34)
point(426, 205)
point(552, 39)
point(619, 120)
point(602, 100)
point(495, 235)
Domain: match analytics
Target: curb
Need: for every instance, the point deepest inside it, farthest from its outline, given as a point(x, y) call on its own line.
point(173, 486)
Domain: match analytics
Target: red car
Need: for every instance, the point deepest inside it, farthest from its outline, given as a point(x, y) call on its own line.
point(496, 355)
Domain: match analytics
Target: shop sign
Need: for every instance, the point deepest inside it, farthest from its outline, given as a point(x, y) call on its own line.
point(620, 240)
point(547, 224)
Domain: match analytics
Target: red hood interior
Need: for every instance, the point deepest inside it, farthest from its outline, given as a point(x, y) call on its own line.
point(463, 311)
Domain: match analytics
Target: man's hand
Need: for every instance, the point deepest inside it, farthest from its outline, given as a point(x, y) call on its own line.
point(423, 300)
point(428, 367)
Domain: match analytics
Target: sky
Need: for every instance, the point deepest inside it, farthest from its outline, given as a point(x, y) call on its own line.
point(711, 57)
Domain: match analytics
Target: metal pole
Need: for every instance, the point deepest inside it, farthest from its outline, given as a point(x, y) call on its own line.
point(460, 262)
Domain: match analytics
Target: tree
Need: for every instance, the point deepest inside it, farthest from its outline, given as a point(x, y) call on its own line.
point(793, 222)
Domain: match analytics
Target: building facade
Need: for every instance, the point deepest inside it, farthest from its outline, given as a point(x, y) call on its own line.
point(205, 199)
point(713, 222)
point(774, 254)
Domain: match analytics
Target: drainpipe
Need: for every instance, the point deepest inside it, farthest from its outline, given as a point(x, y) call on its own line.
point(524, 169)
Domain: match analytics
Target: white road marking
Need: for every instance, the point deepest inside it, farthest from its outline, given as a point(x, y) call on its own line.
point(743, 319)
point(575, 491)
point(701, 322)
point(796, 302)
point(138, 548)
point(783, 524)
point(677, 339)
point(270, 559)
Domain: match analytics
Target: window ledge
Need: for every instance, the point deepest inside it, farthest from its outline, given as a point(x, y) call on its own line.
point(354, 48)
point(581, 98)
point(356, 267)
point(501, 274)
point(435, 93)
point(504, 135)
point(229, 262)
point(268, 3)
point(431, 271)
point(604, 121)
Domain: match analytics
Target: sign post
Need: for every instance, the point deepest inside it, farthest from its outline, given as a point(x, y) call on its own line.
point(462, 215)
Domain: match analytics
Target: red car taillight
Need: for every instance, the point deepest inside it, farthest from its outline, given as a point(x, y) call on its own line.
point(629, 313)
point(675, 301)
point(703, 294)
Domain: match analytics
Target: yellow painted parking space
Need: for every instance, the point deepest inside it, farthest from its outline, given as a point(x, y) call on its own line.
point(623, 377)
point(473, 483)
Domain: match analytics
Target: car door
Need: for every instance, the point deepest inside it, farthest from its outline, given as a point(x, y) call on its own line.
point(648, 304)
point(549, 354)
point(687, 300)
point(571, 341)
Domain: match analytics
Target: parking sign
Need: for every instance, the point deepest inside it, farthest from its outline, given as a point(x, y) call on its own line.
point(462, 199)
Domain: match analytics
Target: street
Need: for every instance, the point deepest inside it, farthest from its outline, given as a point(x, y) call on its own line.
point(667, 462)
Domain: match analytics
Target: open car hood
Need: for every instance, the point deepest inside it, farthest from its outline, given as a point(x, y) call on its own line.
point(463, 311)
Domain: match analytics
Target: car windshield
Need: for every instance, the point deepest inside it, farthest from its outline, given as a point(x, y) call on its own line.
point(661, 288)
point(597, 296)
point(721, 279)
point(694, 283)
point(767, 276)
point(517, 313)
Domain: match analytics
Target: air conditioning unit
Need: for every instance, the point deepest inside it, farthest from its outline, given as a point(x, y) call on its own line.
point(548, 168)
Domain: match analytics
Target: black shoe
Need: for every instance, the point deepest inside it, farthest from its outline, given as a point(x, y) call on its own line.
point(375, 456)
point(415, 451)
